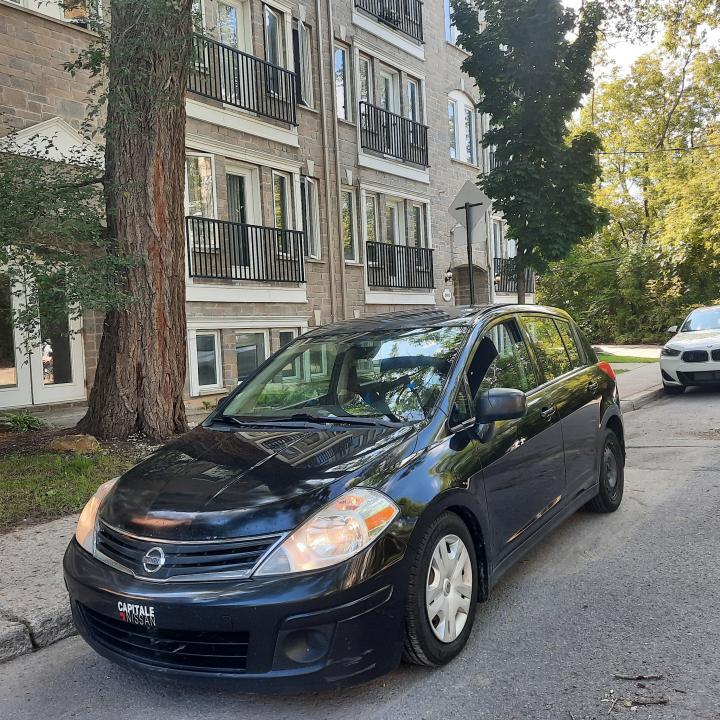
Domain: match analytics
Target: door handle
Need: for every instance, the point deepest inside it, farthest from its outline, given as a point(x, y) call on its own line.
point(548, 412)
point(592, 386)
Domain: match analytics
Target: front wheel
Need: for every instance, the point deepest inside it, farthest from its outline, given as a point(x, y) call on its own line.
point(442, 593)
point(612, 476)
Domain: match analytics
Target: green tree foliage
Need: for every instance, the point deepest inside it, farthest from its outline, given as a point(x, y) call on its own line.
point(531, 61)
point(660, 255)
point(53, 244)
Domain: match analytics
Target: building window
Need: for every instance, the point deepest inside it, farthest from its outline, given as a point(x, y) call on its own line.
point(462, 126)
point(209, 373)
point(418, 225)
point(311, 216)
point(348, 226)
point(293, 370)
point(200, 184)
point(452, 129)
point(498, 245)
point(367, 89)
point(371, 218)
point(273, 27)
point(414, 111)
point(281, 209)
point(451, 32)
point(249, 353)
point(303, 63)
point(342, 84)
point(395, 221)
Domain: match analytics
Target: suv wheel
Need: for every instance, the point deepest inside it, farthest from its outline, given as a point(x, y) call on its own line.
point(442, 593)
point(612, 476)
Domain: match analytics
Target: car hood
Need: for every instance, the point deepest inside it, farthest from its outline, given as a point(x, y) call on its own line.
point(216, 484)
point(699, 340)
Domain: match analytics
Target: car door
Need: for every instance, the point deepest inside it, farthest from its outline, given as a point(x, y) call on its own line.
point(523, 466)
point(579, 407)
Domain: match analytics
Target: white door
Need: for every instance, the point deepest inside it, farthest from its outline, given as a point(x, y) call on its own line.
point(15, 387)
point(233, 28)
point(245, 239)
point(50, 372)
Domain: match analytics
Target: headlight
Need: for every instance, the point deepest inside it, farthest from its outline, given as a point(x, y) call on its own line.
point(85, 531)
point(340, 530)
point(670, 352)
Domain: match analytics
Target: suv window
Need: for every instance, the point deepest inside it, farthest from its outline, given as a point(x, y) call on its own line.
point(570, 343)
point(550, 351)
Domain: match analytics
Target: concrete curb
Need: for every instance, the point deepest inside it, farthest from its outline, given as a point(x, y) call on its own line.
point(635, 402)
point(14, 640)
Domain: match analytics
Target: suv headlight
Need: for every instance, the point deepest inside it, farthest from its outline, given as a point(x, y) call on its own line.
point(670, 352)
point(340, 530)
point(87, 523)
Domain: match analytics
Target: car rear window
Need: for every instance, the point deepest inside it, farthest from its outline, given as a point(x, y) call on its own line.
point(548, 345)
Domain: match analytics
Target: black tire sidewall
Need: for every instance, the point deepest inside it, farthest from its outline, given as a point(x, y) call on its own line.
point(436, 652)
point(611, 502)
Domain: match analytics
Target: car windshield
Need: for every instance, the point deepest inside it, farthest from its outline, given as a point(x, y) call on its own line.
point(703, 319)
point(390, 376)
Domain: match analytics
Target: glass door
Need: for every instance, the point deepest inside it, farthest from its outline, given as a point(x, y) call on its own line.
point(15, 383)
point(233, 31)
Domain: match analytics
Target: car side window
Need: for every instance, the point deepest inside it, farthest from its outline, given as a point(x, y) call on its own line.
point(570, 343)
point(549, 347)
point(462, 409)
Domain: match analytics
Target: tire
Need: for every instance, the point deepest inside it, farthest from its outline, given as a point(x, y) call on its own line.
point(612, 476)
point(673, 389)
point(443, 573)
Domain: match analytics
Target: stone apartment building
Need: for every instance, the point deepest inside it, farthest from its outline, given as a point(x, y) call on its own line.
point(326, 142)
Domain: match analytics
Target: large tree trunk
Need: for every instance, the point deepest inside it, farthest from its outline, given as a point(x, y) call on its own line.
point(520, 277)
point(141, 367)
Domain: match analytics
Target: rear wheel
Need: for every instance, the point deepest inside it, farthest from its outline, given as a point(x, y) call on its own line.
point(612, 476)
point(673, 389)
point(442, 593)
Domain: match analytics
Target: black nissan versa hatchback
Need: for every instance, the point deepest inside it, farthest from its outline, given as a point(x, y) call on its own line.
point(351, 502)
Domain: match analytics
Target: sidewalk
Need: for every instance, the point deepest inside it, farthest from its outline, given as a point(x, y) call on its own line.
point(640, 386)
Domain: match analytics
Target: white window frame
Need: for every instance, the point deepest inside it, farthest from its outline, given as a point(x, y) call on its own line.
point(453, 134)
point(265, 332)
point(461, 103)
point(212, 242)
point(355, 260)
point(411, 80)
point(400, 220)
point(395, 87)
point(195, 388)
point(364, 59)
point(311, 218)
point(451, 32)
point(299, 370)
point(282, 50)
point(347, 81)
point(305, 64)
point(423, 224)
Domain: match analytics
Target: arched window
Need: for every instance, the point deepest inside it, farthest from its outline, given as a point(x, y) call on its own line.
point(462, 127)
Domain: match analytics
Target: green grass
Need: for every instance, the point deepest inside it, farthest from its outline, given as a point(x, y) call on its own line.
point(606, 357)
point(44, 486)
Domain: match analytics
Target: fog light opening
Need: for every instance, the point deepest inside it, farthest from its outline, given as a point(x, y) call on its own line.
point(305, 646)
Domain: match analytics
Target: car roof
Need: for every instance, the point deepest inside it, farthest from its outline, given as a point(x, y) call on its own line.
point(451, 316)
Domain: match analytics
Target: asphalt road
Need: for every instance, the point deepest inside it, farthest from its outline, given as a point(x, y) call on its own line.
point(635, 593)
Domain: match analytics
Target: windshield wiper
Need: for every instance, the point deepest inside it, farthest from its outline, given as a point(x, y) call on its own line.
point(329, 420)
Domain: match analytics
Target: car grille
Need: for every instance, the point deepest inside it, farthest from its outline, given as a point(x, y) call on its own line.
point(716, 355)
point(200, 650)
point(695, 356)
point(709, 377)
point(184, 561)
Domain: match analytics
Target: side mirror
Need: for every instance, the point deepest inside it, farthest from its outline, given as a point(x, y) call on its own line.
point(500, 404)
point(672, 329)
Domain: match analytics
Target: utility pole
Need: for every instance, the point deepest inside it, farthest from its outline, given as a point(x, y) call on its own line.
point(469, 228)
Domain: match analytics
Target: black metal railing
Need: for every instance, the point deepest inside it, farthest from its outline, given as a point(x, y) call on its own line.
point(506, 276)
point(221, 72)
point(405, 16)
point(391, 134)
point(399, 266)
point(223, 250)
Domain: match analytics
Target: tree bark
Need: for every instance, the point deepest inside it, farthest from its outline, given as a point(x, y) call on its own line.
point(140, 375)
point(520, 277)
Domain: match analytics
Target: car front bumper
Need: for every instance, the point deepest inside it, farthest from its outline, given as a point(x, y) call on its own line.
point(307, 632)
point(677, 372)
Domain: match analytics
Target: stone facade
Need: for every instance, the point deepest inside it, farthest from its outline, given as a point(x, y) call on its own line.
point(263, 169)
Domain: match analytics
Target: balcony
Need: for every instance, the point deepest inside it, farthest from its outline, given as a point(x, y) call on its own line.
point(225, 74)
point(390, 134)
point(405, 16)
point(506, 276)
point(399, 266)
point(223, 250)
